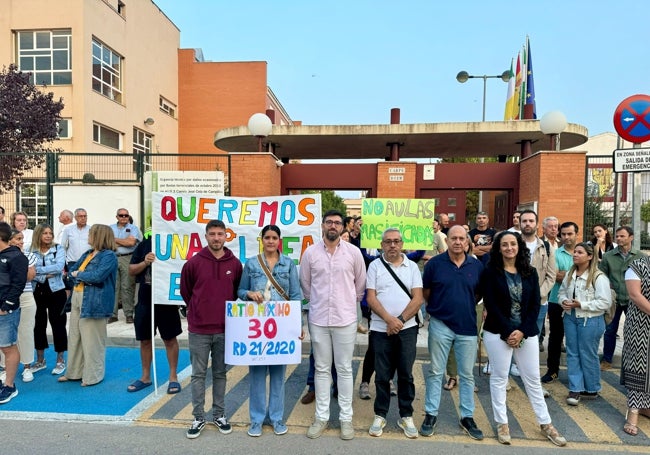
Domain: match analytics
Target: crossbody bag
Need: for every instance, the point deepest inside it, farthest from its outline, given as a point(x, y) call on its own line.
point(268, 274)
point(401, 284)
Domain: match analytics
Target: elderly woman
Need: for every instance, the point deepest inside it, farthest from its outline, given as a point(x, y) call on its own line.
point(268, 276)
point(585, 295)
point(93, 298)
point(511, 296)
point(635, 371)
point(50, 296)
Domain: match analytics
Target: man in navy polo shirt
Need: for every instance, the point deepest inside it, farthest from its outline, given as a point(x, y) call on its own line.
point(450, 283)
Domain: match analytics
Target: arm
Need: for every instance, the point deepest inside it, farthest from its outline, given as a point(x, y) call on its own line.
point(106, 263)
point(490, 285)
point(244, 291)
point(305, 275)
point(294, 283)
point(52, 269)
point(529, 318)
point(393, 325)
point(139, 267)
point(187, 283)
point(636, 296)
point(17, 278)
point(359, 275)
point(602, 298)
point(563, 293)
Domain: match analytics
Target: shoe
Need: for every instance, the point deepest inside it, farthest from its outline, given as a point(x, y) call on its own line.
point(196, 428)
point(347, 430)
point(309, 397)
point(27, 375)
point(487, 369)
point(589, 395)
point(573, 399)
point(514, 371)
point(549, 377)
point(129, 319)
point(138, 385)
point(427, 427)
point(111, 320)
point(279, 428)
point(7, 393)
point(546, 392)
point(605, 365)
point(393, 389)
point(364, 391)
point(377, 427)
point(468, 424)
point(59, 368)
point(407, 425)
point(552, 434)
point(451, 383)
point(255, 430)
point(503, 434)
point(541, 347)
point(38, 366)
point(316, 429)
point(563, 348)
point(222, 424)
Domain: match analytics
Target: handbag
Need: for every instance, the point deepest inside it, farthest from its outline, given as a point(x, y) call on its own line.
point(401, 284)
point(268, 274)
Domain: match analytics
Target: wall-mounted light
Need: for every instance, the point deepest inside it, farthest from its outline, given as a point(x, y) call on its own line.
point(149, 121)
point(552, 124)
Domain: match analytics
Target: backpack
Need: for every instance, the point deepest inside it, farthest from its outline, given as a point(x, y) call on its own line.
point(609, 314)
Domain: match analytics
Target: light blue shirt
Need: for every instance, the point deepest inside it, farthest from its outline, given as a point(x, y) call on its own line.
point(124, 233)
point(564, 261)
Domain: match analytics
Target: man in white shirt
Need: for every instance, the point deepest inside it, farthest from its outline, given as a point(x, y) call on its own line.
point(65, 220)
point(74, 238)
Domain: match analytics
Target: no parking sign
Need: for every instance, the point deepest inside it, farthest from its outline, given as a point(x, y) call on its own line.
point(632, 119)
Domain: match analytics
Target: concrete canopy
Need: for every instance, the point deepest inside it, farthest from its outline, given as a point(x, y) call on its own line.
point(422, 140)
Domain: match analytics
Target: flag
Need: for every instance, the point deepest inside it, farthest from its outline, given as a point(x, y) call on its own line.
point(517, 97)
point(510, 97)
point(530, 86)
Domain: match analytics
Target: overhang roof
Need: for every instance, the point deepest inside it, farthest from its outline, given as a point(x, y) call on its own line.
point(422, 140)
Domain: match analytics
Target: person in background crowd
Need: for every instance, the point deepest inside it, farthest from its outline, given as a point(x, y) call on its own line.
point(515, 222)
point(270, 276)
point(2, 214)
point(614, 264)
point(482, 235)
point(20, 223)
point(602, 240)
point(127, 235)
point(511, 296)
point(585, 296)
point(443, 219)
point(92, 301)
point(65, 220)
point(550, 226)
point(50, 296)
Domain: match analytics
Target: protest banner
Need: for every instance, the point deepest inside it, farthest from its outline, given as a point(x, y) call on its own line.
point(413, 217)
point(264, 333)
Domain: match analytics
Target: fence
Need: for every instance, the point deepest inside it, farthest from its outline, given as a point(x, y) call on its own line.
point(608, 197)
point(33, 193)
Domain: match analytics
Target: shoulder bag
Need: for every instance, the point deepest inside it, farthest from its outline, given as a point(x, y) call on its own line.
point(269, 275)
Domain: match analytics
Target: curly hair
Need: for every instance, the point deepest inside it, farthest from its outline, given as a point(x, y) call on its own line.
point(522, 261)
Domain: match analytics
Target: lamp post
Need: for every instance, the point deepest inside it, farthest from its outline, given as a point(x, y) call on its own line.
point(464, 76)
point(260, 126)
point(553, 123)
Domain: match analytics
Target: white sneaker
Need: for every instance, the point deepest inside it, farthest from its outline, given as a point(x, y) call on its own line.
point(27, 375)
point(487, 368)
point(407, 425)
point(59, 368)
point(514, 371)
point(377, 427)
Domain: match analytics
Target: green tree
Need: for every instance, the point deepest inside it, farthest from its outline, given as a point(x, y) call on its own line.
point(28, 125)
point(329, 200)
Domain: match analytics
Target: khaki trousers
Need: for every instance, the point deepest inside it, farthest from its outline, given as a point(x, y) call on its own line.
point(86, 345)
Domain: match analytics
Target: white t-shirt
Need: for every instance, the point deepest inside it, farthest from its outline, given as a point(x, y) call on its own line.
point(532, 246)
point(391, 296)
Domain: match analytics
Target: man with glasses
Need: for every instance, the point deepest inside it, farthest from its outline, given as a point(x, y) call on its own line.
point(127, 236)
point(75, 237)
point(333, 280)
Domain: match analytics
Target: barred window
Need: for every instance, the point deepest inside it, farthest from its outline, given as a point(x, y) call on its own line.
point(107, 137)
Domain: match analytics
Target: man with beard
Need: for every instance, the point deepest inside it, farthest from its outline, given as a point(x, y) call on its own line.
point(333, 280)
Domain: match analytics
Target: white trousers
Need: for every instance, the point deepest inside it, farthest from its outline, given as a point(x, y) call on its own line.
point(527, 358)
point(337, 343)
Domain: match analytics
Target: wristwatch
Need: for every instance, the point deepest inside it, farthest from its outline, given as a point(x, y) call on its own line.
point(401, 318)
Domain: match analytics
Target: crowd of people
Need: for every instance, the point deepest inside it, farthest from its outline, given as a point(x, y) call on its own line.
point(500, 286)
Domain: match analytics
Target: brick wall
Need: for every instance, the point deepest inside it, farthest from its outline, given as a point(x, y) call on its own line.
point(254, 174)
point(396, 180)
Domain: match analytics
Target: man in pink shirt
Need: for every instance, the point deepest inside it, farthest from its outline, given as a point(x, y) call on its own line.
point(333, 280)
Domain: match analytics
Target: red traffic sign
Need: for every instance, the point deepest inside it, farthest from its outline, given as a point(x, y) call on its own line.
point(632, 119)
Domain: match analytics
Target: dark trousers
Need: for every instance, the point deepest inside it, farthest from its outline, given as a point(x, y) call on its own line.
point(395, 353)
point(555, 337)
point(50, 305)
point(609, 339)
point(368, 361)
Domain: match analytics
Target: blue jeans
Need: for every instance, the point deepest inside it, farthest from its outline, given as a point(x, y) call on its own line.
point(441, 338)
point(257, 401)
point(201, 347)
point(609, 340)
point(582, 338)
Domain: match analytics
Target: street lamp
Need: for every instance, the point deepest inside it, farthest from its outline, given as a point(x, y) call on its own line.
point(464, 76)
point(553, 123)
point(260, 126)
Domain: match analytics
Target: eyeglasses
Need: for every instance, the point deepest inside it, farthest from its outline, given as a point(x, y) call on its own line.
point(391, 242)
point(331, 222)
point(123, 215)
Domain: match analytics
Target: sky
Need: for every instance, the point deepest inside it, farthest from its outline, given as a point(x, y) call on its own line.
point(349, 62)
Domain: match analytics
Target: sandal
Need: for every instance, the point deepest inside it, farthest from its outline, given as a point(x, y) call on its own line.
point(451, 383)
point(629, 427)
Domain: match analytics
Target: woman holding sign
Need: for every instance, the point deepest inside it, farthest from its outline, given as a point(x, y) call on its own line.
point(270, 276)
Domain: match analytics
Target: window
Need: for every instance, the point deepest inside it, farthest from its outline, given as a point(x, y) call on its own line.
point(451, 202)
point(32, 199)
point(107, 71)
point(141, 148)
point(47, 55)
point(64, 128)
point(106, 136)
point(167, 107)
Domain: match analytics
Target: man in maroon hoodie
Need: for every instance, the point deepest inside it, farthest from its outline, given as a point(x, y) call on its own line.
point(208, 280)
